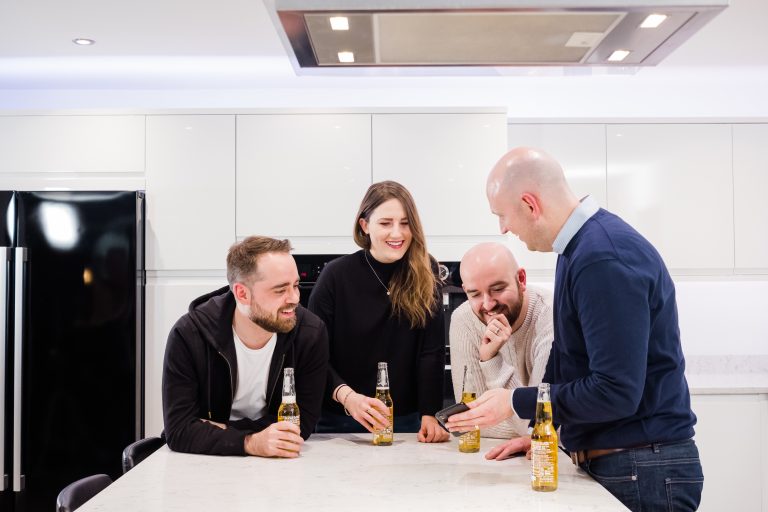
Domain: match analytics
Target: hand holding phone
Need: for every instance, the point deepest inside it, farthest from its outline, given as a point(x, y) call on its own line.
point(443, 415)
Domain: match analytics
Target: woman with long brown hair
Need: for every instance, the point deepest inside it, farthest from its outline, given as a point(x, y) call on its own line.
point(381, 304)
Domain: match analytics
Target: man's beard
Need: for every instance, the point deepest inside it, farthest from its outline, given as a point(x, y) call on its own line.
point(511, 313)
point(271, 323)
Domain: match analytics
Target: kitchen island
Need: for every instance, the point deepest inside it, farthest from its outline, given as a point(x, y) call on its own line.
point(339, 472)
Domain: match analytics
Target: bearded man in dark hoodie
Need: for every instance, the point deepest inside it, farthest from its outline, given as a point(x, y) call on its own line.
point(224, 361)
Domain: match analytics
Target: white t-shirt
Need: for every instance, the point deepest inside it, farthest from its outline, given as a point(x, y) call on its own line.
point(252, 374)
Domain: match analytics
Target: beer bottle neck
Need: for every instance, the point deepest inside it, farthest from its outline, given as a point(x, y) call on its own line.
point(544, 412)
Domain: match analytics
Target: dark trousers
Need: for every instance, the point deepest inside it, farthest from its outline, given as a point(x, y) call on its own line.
point(337, 424)
point(664, 476)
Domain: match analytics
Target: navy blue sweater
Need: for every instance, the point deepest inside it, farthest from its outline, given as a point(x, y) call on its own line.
point(616, 364)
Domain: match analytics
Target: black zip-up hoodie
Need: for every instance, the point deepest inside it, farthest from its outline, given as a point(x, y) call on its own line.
point(200, 377)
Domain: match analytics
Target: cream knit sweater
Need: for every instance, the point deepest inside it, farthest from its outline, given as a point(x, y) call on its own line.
point(521, 361)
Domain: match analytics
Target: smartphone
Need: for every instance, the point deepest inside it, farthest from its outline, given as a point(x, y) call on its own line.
point(443, 415)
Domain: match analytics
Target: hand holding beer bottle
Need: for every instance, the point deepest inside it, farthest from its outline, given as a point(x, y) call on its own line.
point(384, 436)
point(289, 409)
point(367, 411)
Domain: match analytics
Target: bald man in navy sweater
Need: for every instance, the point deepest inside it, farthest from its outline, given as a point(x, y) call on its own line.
point(616, 366)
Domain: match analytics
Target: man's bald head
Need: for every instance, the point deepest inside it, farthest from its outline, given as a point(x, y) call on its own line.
point(489, 255)
point(527, 169)
point(494, 283)
point(527, 190)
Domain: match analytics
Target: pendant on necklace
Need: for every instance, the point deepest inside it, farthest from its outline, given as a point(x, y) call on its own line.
point(365, 253)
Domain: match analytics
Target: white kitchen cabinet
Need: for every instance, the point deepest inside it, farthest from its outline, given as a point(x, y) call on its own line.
point(750, 181)
point(764, 455)
point(580, 149)
point(301, 175)
point(673, 183)
point(190, 191)
point(443, 160)
point(71, 144)
point(167, 299)
point(730, 435)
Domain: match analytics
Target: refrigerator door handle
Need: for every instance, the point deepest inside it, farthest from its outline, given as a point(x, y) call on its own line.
point(4, 255)
point(18, 318)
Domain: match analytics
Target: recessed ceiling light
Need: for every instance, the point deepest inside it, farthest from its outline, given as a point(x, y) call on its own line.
point(83, 41)
point(653, 20)
point(619, 55)
point(339, 22)
point(346, 57)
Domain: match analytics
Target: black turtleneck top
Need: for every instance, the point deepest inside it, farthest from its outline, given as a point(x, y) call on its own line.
point(358, 315)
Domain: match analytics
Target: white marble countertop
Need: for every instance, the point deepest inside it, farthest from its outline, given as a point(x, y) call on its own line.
point(346, 472)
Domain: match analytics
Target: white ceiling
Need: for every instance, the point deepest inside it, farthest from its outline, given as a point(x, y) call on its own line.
point(230, 49)
point(45, 28)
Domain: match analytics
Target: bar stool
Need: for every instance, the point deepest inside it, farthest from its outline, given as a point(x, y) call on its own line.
point(77, 493)
point(140, 450)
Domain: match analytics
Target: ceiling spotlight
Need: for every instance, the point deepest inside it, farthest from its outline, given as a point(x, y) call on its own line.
point(83, 41)
point(346, 57)
point(339, 22)
point(653, 20)
point(619, 55)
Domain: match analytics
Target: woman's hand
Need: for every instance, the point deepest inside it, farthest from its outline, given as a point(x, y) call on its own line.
point(431, 431)
point(371, 413)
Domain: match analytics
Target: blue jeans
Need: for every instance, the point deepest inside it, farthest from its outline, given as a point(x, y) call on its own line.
point(330, 423)
point(664, 476)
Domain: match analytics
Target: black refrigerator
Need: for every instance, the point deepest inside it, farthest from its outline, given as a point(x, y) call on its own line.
point(71, 339)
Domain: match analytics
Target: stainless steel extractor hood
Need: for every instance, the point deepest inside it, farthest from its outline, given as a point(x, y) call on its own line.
point(385, 33)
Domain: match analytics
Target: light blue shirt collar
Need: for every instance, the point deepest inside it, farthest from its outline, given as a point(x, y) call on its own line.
point(579, 216)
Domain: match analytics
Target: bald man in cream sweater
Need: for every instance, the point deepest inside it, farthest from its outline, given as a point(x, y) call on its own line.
point(503, 332)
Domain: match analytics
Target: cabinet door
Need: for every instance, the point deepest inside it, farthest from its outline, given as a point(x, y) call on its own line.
point(443, 160)
point(674, 184)
point(190, 191)
point(580, 149)
point(301, 175)
point(168, 299)
point(74, 144)
point(730, 437)
point(750, 181)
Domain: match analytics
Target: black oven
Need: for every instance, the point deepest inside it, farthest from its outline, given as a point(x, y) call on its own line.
point(310, 266)
point(453, 297)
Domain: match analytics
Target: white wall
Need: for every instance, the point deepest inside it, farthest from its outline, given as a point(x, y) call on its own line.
point(699, 92)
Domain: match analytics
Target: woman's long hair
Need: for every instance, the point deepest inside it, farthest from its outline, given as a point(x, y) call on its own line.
point(413, 287)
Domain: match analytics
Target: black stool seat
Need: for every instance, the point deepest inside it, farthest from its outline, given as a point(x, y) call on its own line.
point(77, 493)
point(140, 450)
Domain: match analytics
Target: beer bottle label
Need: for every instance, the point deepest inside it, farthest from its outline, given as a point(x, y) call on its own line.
point(543, 467)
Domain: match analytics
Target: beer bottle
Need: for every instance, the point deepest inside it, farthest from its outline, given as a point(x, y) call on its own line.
point(469, 442)
point(289, 409)
point(384, 437)
point(544, 444)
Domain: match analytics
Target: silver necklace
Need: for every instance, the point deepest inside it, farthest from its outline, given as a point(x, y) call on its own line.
point(365, 253)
